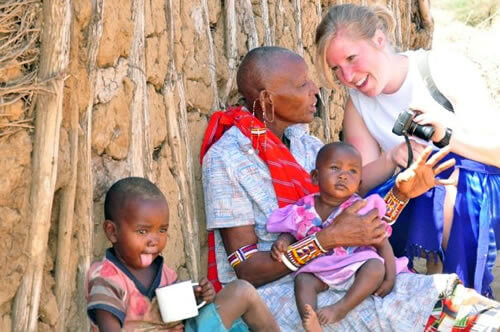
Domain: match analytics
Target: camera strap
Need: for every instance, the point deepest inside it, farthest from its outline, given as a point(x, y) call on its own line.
point(425, 72)
point(410, 151)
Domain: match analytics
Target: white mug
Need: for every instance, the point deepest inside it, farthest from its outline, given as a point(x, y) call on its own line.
point(177, 301)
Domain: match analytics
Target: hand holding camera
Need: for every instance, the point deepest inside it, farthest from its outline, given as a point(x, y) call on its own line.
point(407, 124)
point(422, 125)
point(429, 111)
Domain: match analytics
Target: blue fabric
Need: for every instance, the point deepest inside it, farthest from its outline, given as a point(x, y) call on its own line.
point(208, 320)
point(472, 248)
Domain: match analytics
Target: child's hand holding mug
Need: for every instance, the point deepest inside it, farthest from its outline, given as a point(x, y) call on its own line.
point(205, 291)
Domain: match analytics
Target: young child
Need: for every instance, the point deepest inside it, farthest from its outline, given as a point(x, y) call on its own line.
point(121, 287)
point(361, 271)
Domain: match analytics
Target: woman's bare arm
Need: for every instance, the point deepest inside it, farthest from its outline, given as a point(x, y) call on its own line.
point(349, 228)
point(474, 121)
point(260, 268)
point(377, 166)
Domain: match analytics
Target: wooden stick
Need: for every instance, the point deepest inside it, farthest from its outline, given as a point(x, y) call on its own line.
point(211, 58)
point(85, 200)
point(139, 157)
point(249, 24)
point(65, 227)
point(54, 58)
point(182, 171)
point(231, 52)
point(298, 27)
point(268, 35)
point(16, 125)
point(325, 113)
point(178, 141)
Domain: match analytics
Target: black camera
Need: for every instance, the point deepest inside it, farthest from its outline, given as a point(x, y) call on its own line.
point(405, 125)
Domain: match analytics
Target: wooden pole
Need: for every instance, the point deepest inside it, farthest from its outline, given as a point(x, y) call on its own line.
point(54, 55)
point(249, 24)
point(268, 35)
point(85, 200)
point(65, 226)
point(211, 57)
point(139, 156)
point(178, 142)
point(299, 48)
point(231, 51)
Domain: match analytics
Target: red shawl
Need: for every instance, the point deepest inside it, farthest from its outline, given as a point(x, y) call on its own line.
point(290, 180)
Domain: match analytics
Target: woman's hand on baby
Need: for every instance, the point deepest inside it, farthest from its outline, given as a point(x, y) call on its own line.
point(351, 229)
point(205, 290)
point(421, 175)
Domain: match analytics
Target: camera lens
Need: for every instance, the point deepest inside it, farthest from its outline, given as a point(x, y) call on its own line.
point(402, 123)
point(423, 132)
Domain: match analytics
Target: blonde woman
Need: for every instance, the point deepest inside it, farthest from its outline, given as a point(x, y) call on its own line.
point(453, 226)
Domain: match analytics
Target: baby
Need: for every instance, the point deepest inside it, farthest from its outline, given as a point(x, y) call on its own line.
point(360, 271)
point(121, 287)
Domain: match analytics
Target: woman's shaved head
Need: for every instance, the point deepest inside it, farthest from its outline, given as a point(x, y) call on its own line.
point(257, 67)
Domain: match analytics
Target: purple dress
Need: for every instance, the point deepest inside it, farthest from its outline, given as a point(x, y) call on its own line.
point(301, 220)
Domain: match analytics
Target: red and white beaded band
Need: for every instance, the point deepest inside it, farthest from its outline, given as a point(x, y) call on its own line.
point(393, 208)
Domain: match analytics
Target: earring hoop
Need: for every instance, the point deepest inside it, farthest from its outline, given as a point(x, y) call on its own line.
point(264, 114)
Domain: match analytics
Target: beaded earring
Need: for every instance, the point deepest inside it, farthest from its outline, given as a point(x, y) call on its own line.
point(256, 132)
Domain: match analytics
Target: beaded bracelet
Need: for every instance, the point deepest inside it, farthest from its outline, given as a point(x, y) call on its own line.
point(393, 208)
point(301, 252)
point(242, 254)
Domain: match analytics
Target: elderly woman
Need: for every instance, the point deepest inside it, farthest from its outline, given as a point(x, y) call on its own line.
point(354, 45)
point(256, 159)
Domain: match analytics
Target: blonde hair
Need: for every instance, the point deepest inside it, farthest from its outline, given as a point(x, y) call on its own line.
point(359, 22)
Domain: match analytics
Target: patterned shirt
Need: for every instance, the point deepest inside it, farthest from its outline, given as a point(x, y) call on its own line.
point(238, 189)
point(112, 287)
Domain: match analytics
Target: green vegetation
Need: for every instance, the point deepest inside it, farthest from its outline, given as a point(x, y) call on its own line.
point(473, 12)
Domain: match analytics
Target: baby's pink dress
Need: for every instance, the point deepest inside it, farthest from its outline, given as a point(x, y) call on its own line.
point(301, 220)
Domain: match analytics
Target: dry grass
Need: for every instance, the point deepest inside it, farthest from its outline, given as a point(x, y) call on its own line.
point(475, 13)
point(479, 43)
point(19, 55)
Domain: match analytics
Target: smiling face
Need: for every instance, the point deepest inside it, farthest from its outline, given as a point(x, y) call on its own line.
point(361, 64)
point(141, 233)
point(337, 173)
point(291, 91)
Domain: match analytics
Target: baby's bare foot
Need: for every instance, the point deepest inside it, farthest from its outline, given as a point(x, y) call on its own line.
point(331, 314)
point(311, 322)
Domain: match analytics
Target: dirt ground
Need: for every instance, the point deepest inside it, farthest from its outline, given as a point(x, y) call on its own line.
point(482, 46)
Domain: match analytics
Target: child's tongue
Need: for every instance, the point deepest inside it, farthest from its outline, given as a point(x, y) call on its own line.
point(146, 259)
